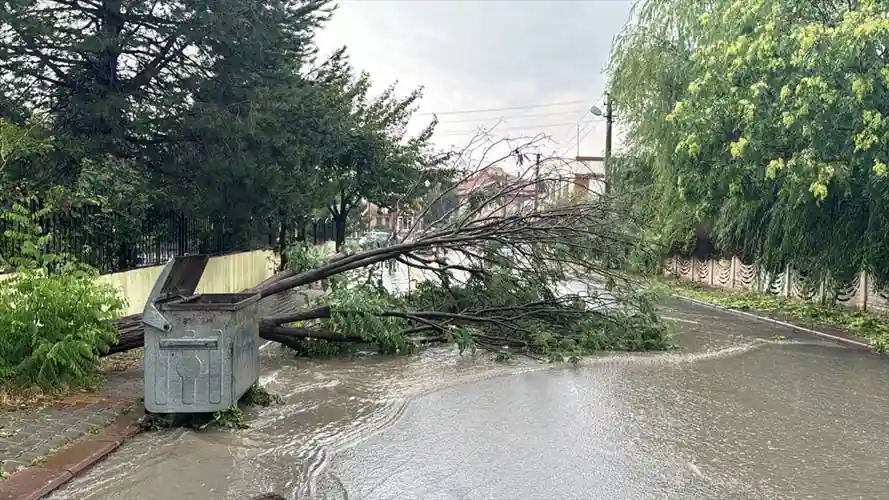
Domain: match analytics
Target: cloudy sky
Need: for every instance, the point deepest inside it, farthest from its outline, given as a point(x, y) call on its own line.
point(473, 55)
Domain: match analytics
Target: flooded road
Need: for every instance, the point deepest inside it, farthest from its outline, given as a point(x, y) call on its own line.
point(733, 414)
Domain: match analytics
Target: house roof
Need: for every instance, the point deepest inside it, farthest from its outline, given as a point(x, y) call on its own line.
point(494, 176)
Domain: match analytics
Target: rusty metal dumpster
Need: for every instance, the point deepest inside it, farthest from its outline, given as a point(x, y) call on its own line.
point(201, 351)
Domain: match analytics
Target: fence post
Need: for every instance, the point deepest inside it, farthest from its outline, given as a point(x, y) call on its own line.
point(694, 264)
point(863, 290)
point(712, 264)
point(733, 269)
point(787, 278)
point(757, 277)
point(763, 279)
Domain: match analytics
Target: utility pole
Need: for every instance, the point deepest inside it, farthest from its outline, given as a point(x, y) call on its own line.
point(609, 119)
point(536, 181)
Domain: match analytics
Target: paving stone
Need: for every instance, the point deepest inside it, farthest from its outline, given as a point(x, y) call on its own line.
point(32, 483)
point(26, 434)
point(35, 456)
point(72, 434)
point(10, 466)
point(96, 420)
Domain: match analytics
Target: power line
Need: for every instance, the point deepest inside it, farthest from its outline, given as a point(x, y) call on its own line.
point(503, 129)
point(577, 134)
point(507, 118)
point(510, 108)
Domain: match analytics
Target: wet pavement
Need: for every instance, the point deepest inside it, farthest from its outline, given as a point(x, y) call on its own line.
point(28, 436)
point(733, 414)
point(731, 417)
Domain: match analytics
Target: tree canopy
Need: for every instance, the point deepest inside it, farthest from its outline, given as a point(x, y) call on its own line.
point(210, 109)
point(762, 123)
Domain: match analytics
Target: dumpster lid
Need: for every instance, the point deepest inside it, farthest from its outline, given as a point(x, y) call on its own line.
point(180, 277)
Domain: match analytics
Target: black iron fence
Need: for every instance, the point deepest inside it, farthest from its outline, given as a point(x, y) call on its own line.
point(115, 242)
point(317, 232)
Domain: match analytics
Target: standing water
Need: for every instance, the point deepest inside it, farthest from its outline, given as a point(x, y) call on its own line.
point(731, 415)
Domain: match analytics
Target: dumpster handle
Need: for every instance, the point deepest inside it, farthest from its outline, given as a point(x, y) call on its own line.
point(152, 317)
point(190, 343)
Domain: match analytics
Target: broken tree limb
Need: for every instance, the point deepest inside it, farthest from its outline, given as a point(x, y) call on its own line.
point(505, 293)
point(289, 335)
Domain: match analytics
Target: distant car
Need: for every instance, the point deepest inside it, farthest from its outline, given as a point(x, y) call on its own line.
point(374, 239)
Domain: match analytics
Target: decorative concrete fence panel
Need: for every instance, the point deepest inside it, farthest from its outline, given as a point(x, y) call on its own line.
point(876, 299)
point(860, 292)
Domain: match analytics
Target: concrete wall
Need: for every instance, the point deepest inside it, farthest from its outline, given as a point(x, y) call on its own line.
point(224, 274)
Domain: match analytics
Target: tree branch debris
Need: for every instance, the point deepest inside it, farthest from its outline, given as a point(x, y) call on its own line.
point(497, 274)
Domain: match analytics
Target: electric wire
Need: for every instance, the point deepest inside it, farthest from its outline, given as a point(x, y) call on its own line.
point(575, 136)
point(493, 129)
point(509, 108)
point(508, 117)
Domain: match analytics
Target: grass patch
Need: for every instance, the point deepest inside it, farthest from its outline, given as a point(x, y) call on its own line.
point(871, 327)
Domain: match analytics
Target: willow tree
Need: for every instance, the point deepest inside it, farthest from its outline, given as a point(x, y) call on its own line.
point(649, 71)
point(776, 132)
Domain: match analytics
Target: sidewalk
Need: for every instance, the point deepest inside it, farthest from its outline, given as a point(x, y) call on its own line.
point(841, 325)
point(52, 444)
point(833, 334)
point(41, 449)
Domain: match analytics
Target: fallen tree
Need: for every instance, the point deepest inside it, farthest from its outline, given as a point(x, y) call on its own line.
point(501, 271)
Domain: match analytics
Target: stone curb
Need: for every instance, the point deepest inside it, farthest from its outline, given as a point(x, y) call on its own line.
point(802, 329)
point(33, 483)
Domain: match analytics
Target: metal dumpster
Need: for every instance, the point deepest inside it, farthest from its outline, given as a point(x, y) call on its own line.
point(201, 351)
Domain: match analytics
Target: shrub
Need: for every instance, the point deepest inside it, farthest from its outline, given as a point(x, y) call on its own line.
point(53, 314)
point(303, 257)
point(53, 326)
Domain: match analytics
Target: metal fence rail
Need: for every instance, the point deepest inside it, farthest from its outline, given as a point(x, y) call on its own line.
point(114, 242)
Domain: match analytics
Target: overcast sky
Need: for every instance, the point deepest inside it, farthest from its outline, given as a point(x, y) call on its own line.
point(482, 54)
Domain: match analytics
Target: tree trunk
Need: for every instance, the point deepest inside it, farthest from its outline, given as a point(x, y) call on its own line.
point(282, 240)
point(339, 224)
